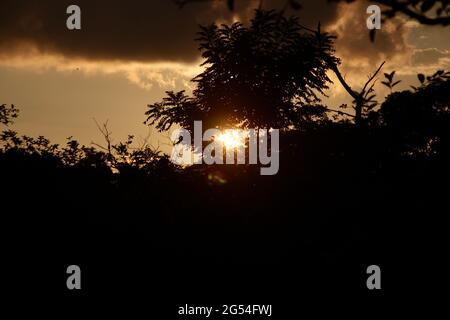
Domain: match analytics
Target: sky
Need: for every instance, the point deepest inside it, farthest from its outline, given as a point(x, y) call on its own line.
point(128, 53)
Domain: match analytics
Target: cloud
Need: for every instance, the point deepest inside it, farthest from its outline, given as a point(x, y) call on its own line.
point(164, 75)
point(152, 42)
point(430, 56)
point(155, 30)
point(430, 37)
point(132, 30)
point(360, 57)
point(311, 13)
point(353, 44)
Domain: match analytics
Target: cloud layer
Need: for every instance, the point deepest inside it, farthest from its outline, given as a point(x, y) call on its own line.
point(152, 41)
point(153, 30)
point(135, 30)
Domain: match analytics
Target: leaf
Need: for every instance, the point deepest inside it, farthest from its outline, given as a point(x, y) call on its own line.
point(421, 77)
point(387, 84)
point(396, 82)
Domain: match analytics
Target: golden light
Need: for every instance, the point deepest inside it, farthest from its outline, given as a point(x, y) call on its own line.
point(232, 138)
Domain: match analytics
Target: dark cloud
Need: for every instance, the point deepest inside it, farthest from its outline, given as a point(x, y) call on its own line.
point(311, 13)
point(145, 30)
point(130, 30)
point(158, 30)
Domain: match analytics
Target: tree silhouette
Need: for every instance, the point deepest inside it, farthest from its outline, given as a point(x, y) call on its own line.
point(418, 122)
point(269, 74)
point(363, 100)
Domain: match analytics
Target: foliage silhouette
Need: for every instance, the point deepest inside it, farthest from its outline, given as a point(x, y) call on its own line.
point(269, 74)
point(418, 122)
point(389, 82)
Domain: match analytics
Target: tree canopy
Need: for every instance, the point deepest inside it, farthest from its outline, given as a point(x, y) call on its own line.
point(268, 74)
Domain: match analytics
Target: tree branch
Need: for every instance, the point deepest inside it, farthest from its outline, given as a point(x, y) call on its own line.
point(422, 18)
point(344, 83)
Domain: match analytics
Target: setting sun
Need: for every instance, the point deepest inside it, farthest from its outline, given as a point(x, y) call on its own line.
point(232, 138)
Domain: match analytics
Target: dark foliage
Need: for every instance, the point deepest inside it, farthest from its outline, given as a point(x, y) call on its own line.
point(268, 74)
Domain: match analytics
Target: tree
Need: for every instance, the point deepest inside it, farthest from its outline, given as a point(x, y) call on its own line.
point(269, 74)
point(418, 122)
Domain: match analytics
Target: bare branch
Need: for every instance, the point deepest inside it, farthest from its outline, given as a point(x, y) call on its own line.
point(372, 77)
point(106, 135)
point(359, 97)
point(341, 79)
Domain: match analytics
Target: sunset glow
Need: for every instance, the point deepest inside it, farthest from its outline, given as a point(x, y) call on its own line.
point(232, 138)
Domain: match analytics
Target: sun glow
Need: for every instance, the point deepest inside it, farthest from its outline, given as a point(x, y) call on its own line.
point(232, 138)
